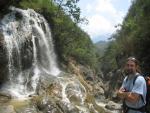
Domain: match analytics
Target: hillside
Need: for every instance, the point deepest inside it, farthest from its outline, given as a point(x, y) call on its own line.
point(101, 47)
point(132, 39)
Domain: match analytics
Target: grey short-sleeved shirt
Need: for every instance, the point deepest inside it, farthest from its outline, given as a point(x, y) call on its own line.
point(139, 87)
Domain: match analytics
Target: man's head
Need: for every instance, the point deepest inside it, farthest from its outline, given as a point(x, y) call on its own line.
point(131, 66)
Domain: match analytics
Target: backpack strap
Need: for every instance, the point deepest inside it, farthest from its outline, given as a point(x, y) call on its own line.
point(136, 76)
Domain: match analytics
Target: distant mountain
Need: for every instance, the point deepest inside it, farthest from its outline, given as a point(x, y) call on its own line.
point(101, 47)
point(101, 38)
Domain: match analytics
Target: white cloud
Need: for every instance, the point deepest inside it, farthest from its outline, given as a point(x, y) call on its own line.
point(102, 16)
point(105, 6)
point(98, 25)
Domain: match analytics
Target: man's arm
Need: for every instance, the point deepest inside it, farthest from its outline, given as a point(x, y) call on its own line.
point(129, 96)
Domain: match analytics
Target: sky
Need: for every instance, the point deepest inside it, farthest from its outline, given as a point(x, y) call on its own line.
point(103, 16)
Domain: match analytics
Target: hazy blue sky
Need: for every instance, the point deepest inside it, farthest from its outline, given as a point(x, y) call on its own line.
point(103, 15)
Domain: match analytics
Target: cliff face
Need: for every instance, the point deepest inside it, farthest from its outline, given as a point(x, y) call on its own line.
point(86, 75)
point(26, 57)
point(3, 61)
point(4, 3)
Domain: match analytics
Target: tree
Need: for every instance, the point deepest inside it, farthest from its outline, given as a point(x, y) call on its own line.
point(70, 8)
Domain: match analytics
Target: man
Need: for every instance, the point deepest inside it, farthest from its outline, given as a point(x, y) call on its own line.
point(133, 90)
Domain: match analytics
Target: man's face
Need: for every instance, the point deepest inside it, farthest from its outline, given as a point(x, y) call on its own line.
point(130, 67)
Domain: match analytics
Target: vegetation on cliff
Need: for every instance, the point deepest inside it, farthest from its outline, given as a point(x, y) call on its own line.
point(132, 39)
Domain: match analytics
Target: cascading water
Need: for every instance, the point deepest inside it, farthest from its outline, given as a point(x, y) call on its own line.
point(22, 26)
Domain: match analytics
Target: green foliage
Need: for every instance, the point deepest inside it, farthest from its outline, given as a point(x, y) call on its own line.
point(101, 47)
point(70, 40)
point(70, 8)
point(38, 5)
point(73, 42)
point(133, 39)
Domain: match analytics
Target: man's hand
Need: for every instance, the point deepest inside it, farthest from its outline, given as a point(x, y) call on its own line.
point(122, 93)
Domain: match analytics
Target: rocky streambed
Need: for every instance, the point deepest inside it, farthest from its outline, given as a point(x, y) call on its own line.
point(67, 94)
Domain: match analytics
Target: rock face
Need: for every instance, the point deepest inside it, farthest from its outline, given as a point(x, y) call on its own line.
point(3, 63)
point(112, 83)
point(93, 83)
point(4, 3)
point(26, 57)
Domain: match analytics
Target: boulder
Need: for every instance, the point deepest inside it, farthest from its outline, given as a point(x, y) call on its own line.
point(87, 73)
point(4, 97)
point(75, 93)
point(113, 106)
point(47, 104)
point(7, 109)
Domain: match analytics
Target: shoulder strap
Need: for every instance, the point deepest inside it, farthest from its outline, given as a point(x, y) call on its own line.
point(136, 76)
point(135, 79)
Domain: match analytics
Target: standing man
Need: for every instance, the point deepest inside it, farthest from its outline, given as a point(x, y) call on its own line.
point(133, 90)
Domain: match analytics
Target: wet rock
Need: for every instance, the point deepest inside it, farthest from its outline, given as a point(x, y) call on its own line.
point(43, 83)
point(4, 97)
point(67, 107)
point(113, 106)
point(75, 93)
point(49, 107)
point(3, 61)
point(87, 73)
point(54, 89)
point(18, 16)
point(27, 109)
point(27, 54)
point(98, 88)
point(7, 109)
point(47, 104)
point(113, 83)
point(98, 91)
point(19, 106)
point(93, 106)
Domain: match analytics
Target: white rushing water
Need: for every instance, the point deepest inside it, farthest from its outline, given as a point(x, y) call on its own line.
point(20, 26)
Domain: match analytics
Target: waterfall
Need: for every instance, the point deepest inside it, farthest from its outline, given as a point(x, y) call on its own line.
point(28, 42)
